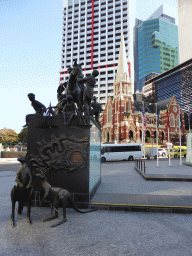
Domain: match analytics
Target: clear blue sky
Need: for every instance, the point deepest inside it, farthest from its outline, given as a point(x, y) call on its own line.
point(30, 52)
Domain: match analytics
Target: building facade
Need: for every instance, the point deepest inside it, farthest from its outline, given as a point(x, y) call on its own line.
point(175, 81)
point(185, 29)
point(156, 46)
point(121, 120)
point(91, 35)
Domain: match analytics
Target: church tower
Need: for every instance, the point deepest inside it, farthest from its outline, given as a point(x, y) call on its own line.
point(119, 110)
point(123, 100)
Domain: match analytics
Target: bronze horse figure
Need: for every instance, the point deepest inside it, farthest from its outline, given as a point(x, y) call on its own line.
point(74, 88)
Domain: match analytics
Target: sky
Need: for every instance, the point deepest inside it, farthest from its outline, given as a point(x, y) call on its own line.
point(30, 52)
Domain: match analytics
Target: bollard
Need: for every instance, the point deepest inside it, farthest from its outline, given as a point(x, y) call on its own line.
point(144, 167)
point(141, 164)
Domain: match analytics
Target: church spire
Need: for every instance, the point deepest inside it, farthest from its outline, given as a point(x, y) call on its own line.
point(122, 68)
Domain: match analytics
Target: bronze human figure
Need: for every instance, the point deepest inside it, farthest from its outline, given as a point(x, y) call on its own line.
point(38, 106)
point(60, 105)
point(88, 93)
point(60, 90)
point(58, 197)
point(69, 109)
point(96, 109)
point(23, 191)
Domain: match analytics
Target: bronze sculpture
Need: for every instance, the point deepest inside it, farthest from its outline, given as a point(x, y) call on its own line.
point(60, 90)
point(60, 141)
point(60, 153)
point(88, 93)
point(60, 105)
point(58, 197)
point(96, 109)
point(38, 106)
point(81, 97)
point(73, 87)
point(23, 191)
point(69, 109)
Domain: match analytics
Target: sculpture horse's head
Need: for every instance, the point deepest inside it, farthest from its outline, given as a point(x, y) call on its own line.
point(77, 71)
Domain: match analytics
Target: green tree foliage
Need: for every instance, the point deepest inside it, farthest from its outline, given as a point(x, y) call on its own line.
point(23, 135)
point(8, 136)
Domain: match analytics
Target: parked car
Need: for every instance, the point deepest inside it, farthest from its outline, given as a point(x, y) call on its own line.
point(183, 152)
point(162, 152)
point(173, 153)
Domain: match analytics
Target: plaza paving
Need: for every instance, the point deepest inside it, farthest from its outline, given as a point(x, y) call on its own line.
point(101, 232)
point(123, 187)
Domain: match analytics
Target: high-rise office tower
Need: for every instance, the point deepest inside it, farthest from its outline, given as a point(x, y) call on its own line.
point(91, 35)
point(156, 46)
point(185, 29)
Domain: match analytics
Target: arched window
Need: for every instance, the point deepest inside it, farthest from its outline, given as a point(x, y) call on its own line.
point(172, 120)
point(148, 134)
point(125, 109)
point(126, 89)
point(109, 113)
point(177, 121)
point(129, 106)
point(108, 138)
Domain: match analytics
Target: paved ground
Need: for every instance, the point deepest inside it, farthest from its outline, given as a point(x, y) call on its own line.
point(120, 177)
point(123, 187)
point(100, 232)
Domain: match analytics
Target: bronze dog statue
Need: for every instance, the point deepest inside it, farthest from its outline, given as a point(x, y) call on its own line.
point(23, 191)
point(58, 197)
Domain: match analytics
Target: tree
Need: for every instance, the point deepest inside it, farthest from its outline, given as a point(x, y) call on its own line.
point(8, 136)
point(23, 135)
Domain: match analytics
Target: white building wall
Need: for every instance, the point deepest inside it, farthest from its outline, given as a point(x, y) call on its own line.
point(110, 17)
point(185, 29)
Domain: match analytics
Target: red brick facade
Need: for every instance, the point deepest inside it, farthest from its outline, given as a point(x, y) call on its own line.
point(122, 123)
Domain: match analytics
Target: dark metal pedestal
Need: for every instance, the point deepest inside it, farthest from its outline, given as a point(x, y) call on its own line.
point(68, 154)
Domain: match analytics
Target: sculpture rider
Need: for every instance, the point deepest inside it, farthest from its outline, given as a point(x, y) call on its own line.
point(88, 93)
point(96, 109)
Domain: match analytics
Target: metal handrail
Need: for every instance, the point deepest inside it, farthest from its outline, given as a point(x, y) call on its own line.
point(140, 165)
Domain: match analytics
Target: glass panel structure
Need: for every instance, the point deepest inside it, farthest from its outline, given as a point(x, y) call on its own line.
point(95, 157)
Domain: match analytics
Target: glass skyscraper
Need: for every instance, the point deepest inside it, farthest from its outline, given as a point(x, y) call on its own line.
point(156, 46)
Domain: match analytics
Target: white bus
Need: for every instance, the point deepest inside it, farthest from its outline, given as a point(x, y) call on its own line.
point(111, 152)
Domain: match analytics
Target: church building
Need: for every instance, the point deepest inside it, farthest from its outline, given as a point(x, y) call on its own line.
point(121, 120)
